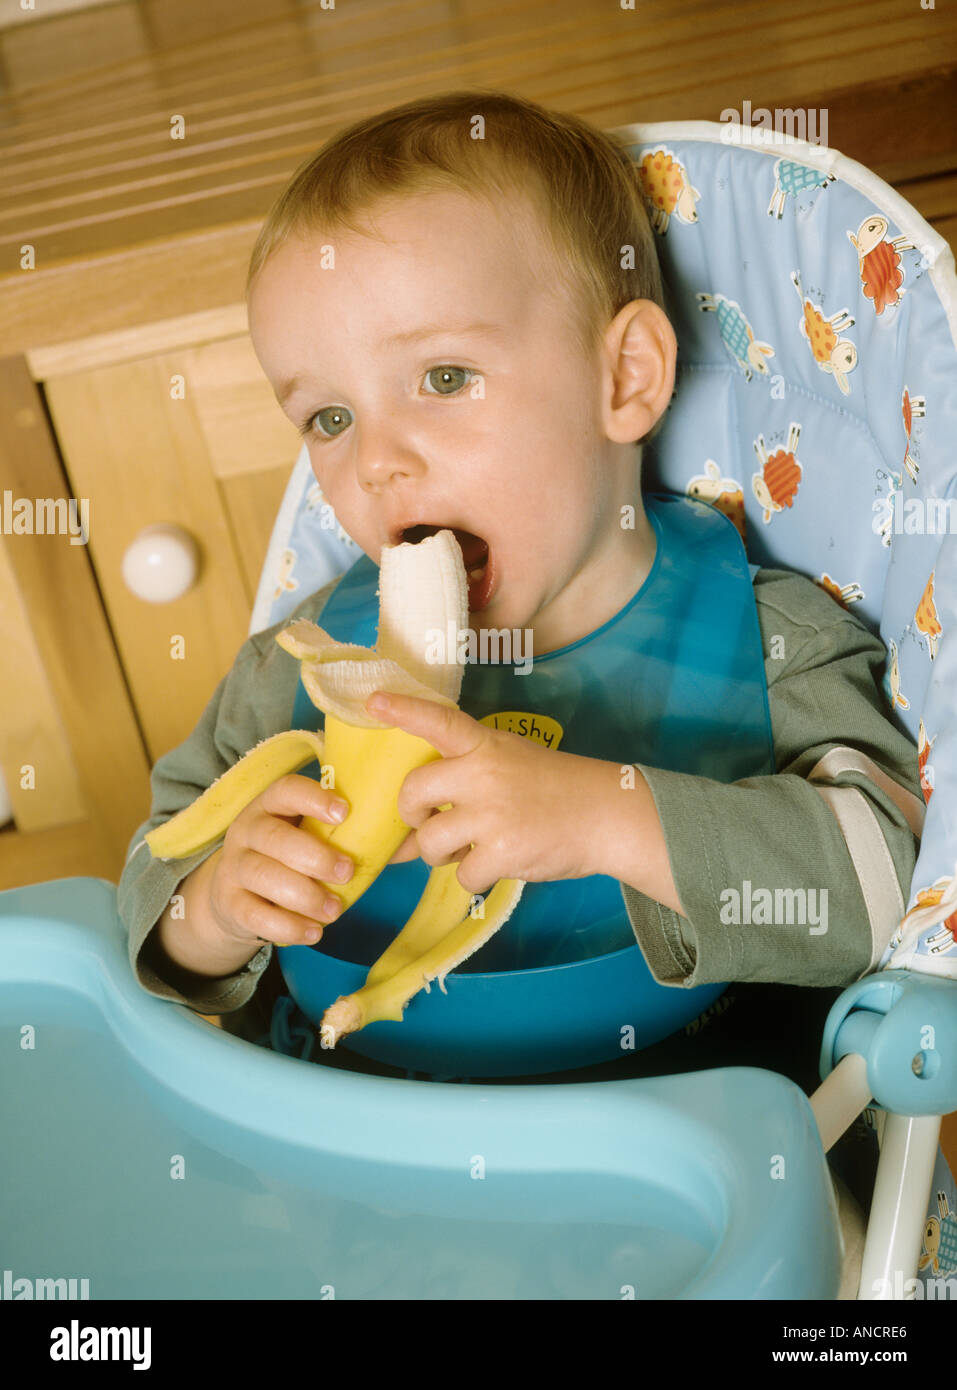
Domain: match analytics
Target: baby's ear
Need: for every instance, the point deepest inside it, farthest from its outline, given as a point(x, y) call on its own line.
point(643, 352)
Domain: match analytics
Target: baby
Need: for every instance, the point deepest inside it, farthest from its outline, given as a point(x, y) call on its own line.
point(458, 303)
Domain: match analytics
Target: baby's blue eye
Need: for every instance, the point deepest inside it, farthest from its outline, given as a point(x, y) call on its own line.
point(452, 377)
point(332, 420)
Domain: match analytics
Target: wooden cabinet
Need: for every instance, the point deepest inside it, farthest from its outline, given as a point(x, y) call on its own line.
point(96, 683)
point(71, 752)
point(191, 437)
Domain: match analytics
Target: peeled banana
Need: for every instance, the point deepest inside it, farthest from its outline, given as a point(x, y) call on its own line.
point(422, 590)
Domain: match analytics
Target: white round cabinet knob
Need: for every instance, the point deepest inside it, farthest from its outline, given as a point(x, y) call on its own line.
point(161, 564)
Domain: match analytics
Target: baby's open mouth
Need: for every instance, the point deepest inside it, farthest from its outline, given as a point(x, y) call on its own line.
point(475, 553)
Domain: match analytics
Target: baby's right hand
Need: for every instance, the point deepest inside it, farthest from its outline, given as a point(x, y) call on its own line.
point(264, 885)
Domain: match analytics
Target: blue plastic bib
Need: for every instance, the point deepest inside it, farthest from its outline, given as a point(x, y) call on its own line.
point(674, 680)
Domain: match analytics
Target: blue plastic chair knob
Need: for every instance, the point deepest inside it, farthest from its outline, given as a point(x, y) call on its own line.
point(905, 1024)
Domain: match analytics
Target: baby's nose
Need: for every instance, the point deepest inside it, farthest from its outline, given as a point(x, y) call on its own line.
point(384, 462)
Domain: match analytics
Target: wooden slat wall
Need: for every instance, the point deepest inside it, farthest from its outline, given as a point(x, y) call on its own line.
point(86, 100)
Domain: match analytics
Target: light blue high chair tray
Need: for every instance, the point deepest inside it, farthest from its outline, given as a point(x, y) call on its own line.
point(193, 1165)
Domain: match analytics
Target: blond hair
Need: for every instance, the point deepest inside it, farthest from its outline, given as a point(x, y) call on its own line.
point(580, 181)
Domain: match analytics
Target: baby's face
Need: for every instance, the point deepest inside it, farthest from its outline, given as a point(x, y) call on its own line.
point(485, 421)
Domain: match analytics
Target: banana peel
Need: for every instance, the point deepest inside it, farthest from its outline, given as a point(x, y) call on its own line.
point(429, 953)
point(422, 589)
point(202, 823)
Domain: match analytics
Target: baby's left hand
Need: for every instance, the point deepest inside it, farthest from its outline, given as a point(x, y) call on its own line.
point(524, 807)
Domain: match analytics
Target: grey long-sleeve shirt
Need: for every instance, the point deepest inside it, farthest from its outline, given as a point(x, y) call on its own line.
point(841, 816)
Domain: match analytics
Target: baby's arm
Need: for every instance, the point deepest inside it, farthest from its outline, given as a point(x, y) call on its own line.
point(190, 939)
point(848, 834)
point(264, 883)
point(631, 845)
point(175, 951)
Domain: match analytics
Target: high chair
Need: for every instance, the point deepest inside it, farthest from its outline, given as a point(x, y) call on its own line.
point(156, 1156)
